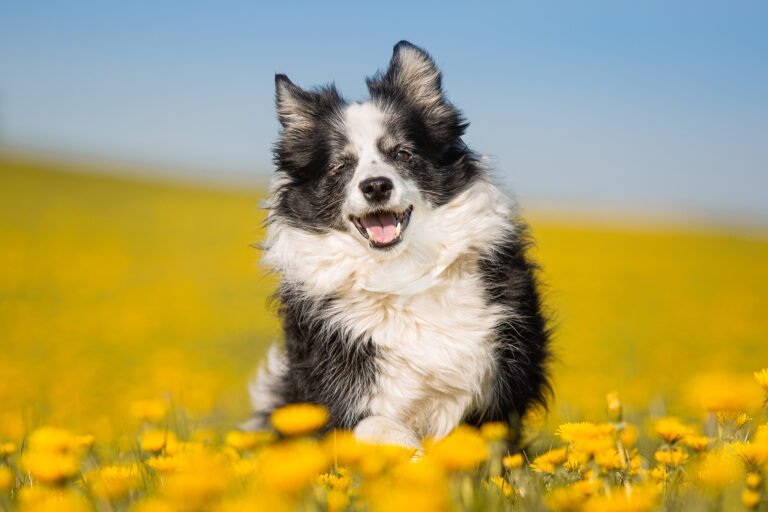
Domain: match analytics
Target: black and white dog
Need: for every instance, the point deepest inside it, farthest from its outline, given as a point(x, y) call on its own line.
point(406, 297)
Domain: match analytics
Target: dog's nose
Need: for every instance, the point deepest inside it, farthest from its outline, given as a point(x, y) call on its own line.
point(377, 190)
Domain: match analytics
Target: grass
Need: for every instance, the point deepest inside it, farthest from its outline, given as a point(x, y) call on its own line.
point(114, 291)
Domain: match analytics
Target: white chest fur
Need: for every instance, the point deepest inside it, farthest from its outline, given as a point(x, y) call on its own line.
point(436, 361)
point(424, 308)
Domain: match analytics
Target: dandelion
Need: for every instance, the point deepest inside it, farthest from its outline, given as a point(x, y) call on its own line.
point(641, 499)
point(584, 431)
point(41, 499)
point(570, 498)
point(501, 484)
point(628, 436)
point(113, 483)
point(244, 441)
point(614, 406)
point(697, 443)
point(752, 454)
point(762, 379)
point(546, 462)
point(291, 466)
point(155, 440)
point(7, 449)
point(512, 461)
point(672, 429)
point(462, 449)
point(7, 479)
point(750, 498)
point(753, 480)
point(494, 431)
point(299, 419)
point(149, 410)
point(732, 419)
point(716, 471)
point(672, 458)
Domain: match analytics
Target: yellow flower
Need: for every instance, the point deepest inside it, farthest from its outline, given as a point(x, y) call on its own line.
point(762, 379)
point(753, 454)
point(501, 484)
point(53, 455)
point(291, 466)
point(761, 436)
point(733, 419)
point(726, 392)
point(164, 464)
point(570, 498)
point(628, 436)
point(609, 460)
point(53, 439)
point(750, 498)
point(716, 471)
point(614, 406)
point(659, 474)
point(299, 419)
point(85, 442)
point(753, 480)
point(41, 499)
point(7, 479)
point(462, 449)
point(494, 431)
point(201, 478)
point(672, 429)
point(697, 443)
point(546, 462)
point(640, 499)
point(574, 463)
point(671, 457)
point(584, 431)
point(512, 461)
point(113, 482)
point(149, 410)
point(155, 440)
point(7, 449)
point(244, 441)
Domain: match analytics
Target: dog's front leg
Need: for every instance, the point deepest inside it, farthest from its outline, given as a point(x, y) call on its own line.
point(383, 430)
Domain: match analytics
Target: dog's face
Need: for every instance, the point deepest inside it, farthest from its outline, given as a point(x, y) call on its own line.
point(371, 169)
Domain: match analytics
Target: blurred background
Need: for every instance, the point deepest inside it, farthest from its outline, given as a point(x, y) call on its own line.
point(135, 148)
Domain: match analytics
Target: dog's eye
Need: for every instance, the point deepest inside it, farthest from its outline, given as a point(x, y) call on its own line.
point(402, 156)
point(339, 167)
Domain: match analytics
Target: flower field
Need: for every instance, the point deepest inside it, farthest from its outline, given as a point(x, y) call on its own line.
point(134, 313)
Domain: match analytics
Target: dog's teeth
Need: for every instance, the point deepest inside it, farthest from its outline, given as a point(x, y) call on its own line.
point(397, 230)
point(370, 234)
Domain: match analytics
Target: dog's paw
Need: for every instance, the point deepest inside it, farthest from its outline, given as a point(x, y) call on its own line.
point(383, 430)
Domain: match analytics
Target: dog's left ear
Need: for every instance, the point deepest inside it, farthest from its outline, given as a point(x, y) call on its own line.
point(413, 79)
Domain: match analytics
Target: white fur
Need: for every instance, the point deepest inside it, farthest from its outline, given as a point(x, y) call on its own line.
point(364, 127)
point(423, 306)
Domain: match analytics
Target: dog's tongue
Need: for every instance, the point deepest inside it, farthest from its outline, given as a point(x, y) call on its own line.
point(381, 227)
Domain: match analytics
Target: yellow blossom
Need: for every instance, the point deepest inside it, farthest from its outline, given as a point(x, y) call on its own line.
point(299, 419)
point(149, 410)
point(628, 435)
point(462, 449)
point(762, 379)
point(244, 441)
point(583, 431)
point(659, 474)
point(697, 443)
point(753, 480)
point(164, 464)
point(201, 478)
point(113, 482)
point(7, 479)
point(546, 462)
point(501, 483)
point(614, 406)
point(42, 499)
point(7, 449)
point(291, 466)
point(671, 457)
point(716, 471)
point(156, 440)
point(570, 498)
point(750, 498)
point(753, 454)
point(733, 419)
point(672, 429)
point(512, 461)
point(726, 392)
point(610, 460)
point(344, 448)
point(640, 499)
point(494, 430)
point(574, 463)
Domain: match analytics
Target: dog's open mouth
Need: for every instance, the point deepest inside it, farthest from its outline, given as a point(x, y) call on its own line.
point(383, 228)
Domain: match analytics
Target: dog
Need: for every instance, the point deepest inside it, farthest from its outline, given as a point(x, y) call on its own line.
point(407, 299)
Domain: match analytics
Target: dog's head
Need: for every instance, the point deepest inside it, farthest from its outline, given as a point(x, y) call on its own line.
point(371, 169)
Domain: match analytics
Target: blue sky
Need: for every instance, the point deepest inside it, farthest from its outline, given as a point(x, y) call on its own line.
point(649, 104)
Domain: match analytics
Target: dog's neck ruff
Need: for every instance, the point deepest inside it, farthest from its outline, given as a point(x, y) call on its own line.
point(334, 262)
